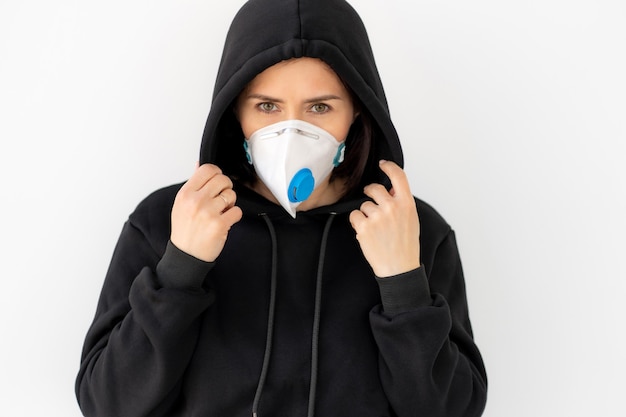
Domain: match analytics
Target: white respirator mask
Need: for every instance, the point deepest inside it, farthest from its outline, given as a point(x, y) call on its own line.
point(292, 158)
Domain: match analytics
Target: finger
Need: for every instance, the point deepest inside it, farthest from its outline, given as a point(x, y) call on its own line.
point(219, 203)
point(377, 192)
point(369, 208)
point(398, 178)
point(201, 176)
point(216, 185)
point(228, 197)
point(220, 196)
point(356, 219)
point(232, 215)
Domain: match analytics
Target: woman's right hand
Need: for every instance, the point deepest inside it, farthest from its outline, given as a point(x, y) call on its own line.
point(204, 211)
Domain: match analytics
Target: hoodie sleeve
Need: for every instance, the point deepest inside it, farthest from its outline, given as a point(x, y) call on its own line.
point(428, 363)
point(144, 331)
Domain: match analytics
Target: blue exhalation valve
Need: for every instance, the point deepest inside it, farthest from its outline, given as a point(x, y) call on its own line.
point(301, 186)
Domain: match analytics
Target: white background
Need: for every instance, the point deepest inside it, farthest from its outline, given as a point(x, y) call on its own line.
point(512, 116)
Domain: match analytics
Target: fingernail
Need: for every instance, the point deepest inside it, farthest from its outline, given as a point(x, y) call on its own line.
point(382, 161)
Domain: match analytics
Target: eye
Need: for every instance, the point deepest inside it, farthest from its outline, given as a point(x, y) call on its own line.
point(267, 107)
point(320, 108)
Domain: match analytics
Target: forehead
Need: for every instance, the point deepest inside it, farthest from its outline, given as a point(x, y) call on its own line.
point(298, 74)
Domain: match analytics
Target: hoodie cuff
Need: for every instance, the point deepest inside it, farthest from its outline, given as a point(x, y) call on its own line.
point(404, 292)
point(178, 269)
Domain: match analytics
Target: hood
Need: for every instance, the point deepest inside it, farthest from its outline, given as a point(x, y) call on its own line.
point(265, 32)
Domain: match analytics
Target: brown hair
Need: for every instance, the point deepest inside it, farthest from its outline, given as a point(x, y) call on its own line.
point(358, 153)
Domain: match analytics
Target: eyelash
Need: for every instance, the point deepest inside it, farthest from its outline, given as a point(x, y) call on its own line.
point(326, 108)
point(262, 107)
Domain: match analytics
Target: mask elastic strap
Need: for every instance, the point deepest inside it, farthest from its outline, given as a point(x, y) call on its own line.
point(341, 150)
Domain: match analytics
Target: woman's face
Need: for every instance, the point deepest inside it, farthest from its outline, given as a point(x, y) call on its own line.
point(300, 88)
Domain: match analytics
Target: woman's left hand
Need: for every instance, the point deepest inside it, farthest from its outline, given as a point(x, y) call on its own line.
point(388, 228)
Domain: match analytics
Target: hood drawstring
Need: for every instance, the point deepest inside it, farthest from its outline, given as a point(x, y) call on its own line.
point(316, 318)
point(270, 319)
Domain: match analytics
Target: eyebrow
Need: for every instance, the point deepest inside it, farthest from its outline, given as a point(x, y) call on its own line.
point(326, 97)
point(263, 97)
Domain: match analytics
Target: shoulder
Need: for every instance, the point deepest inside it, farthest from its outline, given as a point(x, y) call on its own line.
point(152, 216)
point(433, 226)
point(158, 201)
point(437, 241)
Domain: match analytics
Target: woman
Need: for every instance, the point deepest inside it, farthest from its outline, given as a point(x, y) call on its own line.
point(290, 275)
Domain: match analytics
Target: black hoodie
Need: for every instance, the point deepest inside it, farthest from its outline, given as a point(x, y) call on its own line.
point(290, 319)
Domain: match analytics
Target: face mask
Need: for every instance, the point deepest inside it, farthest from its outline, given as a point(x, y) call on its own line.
point(292, 158)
